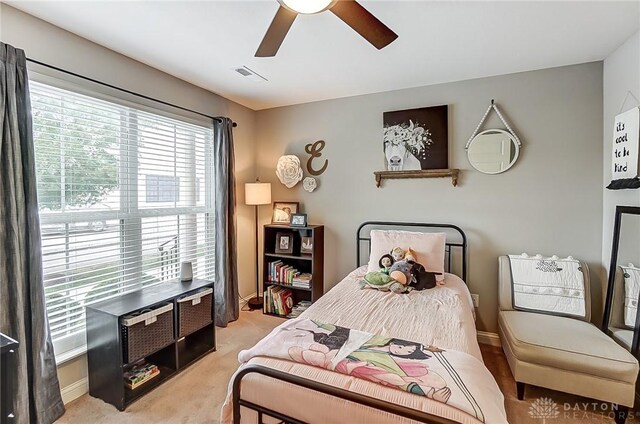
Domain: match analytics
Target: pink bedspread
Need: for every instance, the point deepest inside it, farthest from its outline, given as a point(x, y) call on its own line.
point(440, 317)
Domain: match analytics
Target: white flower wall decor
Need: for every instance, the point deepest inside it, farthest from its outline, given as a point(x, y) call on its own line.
point(289, 171)
point(309, 184)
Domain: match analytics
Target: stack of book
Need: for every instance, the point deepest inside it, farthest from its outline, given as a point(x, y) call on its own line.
point(278, 300)
point(299, 308)
point(302, 281)
point(140, 373)
point(281, 273)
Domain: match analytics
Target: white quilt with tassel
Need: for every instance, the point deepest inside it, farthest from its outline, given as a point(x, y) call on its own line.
point(550, 284)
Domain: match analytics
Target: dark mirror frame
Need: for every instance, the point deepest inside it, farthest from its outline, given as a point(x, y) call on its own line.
point(620, 211)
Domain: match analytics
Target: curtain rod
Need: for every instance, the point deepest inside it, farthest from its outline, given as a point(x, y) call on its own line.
point(37, 62)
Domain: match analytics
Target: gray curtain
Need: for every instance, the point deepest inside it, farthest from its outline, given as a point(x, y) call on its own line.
point(22, 307)
point(226, 268)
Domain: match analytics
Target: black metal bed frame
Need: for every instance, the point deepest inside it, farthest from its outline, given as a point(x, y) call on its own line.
point(354, 397)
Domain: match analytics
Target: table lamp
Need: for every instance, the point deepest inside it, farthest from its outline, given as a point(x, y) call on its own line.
point(257, 194)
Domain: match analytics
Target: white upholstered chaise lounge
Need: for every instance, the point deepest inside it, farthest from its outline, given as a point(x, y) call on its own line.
point(565, 354)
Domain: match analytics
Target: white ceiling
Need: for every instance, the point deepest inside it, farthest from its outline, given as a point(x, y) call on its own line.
point(321, 58)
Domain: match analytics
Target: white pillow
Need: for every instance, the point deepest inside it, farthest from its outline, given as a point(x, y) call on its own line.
point(428, 247)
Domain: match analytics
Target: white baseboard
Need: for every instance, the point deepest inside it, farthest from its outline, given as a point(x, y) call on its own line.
point(75, 390)
point(242, 302)
point(487, 338)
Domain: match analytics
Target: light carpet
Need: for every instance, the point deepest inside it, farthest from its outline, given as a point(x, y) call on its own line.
point(196, 395)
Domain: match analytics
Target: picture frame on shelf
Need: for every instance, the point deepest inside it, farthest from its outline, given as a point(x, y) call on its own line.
point(298, 220)
point(284, 243)
point(282, 212)
point(306, 248)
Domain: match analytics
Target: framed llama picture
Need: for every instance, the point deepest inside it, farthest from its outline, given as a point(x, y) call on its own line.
point(416, 139)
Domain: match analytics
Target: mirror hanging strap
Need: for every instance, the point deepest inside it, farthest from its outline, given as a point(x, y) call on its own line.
point(504, 121)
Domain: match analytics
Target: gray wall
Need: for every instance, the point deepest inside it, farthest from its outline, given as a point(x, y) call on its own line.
point(52, 45)
point(621, 74)
point(548, 203)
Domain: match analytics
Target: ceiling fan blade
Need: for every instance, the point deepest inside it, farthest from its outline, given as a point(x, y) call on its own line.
point(277, 31)
point(364, 23)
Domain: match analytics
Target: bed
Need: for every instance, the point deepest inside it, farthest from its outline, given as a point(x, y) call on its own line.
point(269, 389)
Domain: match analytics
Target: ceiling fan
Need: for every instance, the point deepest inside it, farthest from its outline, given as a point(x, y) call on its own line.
point(350, 11)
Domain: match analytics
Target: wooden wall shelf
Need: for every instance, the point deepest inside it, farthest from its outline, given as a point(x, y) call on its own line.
point(428, 173)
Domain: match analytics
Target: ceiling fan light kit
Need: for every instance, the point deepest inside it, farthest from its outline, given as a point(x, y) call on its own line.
point(307, 7)
point(349, 11)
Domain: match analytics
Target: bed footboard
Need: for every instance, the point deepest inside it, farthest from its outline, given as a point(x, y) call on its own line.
point(371, 402)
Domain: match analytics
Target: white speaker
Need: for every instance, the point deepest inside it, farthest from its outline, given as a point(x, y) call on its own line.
point(186, 271)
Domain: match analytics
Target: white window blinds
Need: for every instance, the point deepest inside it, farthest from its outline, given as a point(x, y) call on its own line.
point(125, 196)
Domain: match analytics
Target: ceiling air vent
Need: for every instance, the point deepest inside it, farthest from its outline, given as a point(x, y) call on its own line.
point(252, 75)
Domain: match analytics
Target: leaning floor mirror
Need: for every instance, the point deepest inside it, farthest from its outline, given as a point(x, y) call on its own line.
point(621, 319)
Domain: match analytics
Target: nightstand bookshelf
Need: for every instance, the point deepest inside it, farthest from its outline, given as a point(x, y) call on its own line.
point(310, 263)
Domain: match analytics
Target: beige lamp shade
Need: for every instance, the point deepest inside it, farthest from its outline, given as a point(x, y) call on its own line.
point(257, 193)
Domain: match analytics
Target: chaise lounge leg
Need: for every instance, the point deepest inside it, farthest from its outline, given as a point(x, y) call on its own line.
point(520, 390)
point(621, 414)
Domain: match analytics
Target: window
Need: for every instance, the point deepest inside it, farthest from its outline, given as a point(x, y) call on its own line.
point(162, 188)
point(120, 202)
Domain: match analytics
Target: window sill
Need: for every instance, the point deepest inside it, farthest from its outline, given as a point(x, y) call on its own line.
point(70, 355)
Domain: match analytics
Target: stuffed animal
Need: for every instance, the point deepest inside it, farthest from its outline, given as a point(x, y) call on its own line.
point(421, 278)
point(385, 263)
point(398, 254)
point(380, 281)
point(410, 255)
point(401, 272)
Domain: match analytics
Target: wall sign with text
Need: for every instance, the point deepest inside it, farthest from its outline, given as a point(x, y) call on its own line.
point(624, 165)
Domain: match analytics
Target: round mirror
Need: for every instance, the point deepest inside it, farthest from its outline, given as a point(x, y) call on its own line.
point(493, 151)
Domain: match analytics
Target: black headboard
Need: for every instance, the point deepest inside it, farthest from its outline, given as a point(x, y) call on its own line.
point(459, 242)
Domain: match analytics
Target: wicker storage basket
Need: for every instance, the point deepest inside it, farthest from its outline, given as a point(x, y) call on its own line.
point(194, 312)
point(146, 332)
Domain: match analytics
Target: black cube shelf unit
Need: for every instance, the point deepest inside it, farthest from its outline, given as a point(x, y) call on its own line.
point(311, 263)
point(111, 350)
